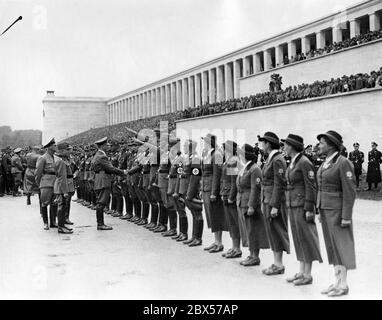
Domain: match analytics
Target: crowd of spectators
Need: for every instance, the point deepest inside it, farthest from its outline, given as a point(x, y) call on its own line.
point(273, 96)
point(336, 46)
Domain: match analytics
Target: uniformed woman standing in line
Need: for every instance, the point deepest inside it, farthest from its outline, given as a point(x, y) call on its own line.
point(335, 201)
point(249, 205)
point(213, 205)
point(300, 202)
point(228, 192)
point(273, 201)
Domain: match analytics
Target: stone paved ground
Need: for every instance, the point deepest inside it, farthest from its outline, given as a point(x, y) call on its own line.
point(133, 263)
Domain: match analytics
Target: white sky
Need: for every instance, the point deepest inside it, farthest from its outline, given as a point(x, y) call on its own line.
point(104, 48)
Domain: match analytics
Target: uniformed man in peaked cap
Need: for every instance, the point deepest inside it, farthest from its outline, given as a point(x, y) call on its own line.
point(16, 171)
point(30, 185)
point(357, 158)
point(102, 184)
point(61, 184)
point(45, 177)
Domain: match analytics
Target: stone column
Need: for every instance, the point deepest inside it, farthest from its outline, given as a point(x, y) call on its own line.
point(168, 99)
point(198, 98)
point(128, 115)
point(179, 101)
point(204, 87)
point(158, 101)
point(173, 96)
point(144, 105)
point(220, 84)
point(163, 100)
point(113, 114)
point(152, 102)
point(185, 94)
point(305, 45)
point(292, 52)
point(212, 91)
point(118, 112)
point(191, 92)
point(228, 81)
point(320, 39)
point(267, 60)
point(375, 22)
point(279, 56)
point(131, 116)
point(355, 28)
point(123, 105)
point(337, 33)
point(236, 79)
point(246, 67)
point(149, 103)
point(135, 108)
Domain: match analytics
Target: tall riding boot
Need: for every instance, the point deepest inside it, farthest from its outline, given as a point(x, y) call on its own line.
point(28, 199)
point(172, 218)
point(194, 227)
point(100, 222)
point(61, 214)
point(198, 233)
point(53, 215)
point(99, 215)
point(137, 208)
point(163, 215)
point(113, 203)
point(67, 211)
point(145, 214)
point(154, 213)
point(44, 215)
point(199, 229)
point(129, 204)
point(120, 205)
point(183, 224)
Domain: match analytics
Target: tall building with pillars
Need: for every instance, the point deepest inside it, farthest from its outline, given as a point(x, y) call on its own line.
point(223, 78)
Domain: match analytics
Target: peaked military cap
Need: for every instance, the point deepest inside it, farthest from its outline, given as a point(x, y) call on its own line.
point(50, 143)
point(100, 142)
point(63, 146)
point(17, 150)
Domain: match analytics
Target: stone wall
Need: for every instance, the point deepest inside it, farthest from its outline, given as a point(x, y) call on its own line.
point(65, 117)
point(360, 59)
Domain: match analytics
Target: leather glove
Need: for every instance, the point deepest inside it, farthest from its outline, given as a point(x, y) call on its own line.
point(250, 211)
point(309, 216)
point(212, 198)
point(274, 212)
point(345, 223)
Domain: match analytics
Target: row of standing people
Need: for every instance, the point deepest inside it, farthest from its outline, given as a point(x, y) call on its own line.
point(238, 196)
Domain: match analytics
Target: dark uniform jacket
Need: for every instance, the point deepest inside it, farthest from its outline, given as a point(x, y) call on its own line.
point(211, 172)
point(357, 157)
point(194, 188)
point(17, 167)
point(301, 184)
point(249, 187)
point(373, 168)
point(61, 168)
point(103, 171)
point(228, 189)
point(336, 186)
point(273, 181)
point(45, 173)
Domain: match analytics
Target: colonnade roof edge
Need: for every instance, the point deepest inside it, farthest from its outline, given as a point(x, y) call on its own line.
point(200, 67)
